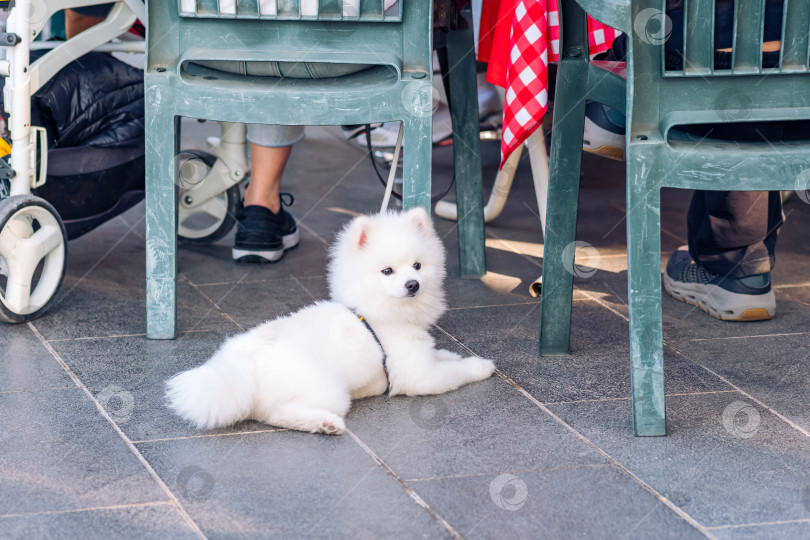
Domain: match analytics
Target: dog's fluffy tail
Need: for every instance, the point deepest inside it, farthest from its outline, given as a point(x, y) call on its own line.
point(215, 394)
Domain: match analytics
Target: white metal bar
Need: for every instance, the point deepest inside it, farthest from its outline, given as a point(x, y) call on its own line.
point(539, 161)
point(392, 173)
point(118, 21)
point(17, 97)
point(498, 196)
point(138, 7)
point(134, 47)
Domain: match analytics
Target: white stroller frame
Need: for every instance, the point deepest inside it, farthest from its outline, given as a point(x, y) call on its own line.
point(32, 235)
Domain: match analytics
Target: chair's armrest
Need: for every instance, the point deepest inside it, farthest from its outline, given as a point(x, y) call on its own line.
point(614, 13)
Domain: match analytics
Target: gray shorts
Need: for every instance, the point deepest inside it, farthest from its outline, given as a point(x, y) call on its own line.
point(274, 135)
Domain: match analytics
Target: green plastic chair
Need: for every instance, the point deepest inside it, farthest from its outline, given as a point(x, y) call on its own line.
point(398, 42)
point(655, 101)
point(463, 100)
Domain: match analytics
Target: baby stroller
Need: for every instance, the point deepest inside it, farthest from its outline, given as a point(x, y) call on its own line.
point(51, 191)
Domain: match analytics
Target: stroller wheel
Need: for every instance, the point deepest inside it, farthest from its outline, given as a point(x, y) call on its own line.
point(213, 219)
point(33, 253)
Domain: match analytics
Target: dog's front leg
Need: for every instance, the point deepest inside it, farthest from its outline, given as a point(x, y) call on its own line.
point(431, 371)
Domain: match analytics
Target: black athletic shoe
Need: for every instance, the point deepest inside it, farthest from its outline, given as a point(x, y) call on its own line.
point(604, 131)
point(748, 298)
point(262, 236)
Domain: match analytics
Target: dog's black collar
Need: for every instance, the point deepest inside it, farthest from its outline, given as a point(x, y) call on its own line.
point(385, 369)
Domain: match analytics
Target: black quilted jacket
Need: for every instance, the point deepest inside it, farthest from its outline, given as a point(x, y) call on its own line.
point(96, 100)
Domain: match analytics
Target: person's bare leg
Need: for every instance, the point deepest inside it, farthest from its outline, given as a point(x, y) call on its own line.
point(76, 23)
point(266, 169)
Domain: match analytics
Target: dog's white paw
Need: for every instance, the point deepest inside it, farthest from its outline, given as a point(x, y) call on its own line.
point(332, 426)
point(481, 368)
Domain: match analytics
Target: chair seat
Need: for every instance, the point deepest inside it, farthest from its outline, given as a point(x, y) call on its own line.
point(359, 98)
point(377, 76)
point(705, 163)
point(687, 142)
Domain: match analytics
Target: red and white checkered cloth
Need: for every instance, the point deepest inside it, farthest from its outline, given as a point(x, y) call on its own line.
point(534, 42)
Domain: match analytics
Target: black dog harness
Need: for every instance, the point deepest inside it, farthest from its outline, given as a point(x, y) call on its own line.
point(385, 369)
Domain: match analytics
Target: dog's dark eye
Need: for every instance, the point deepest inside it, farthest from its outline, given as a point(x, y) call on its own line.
point(417, 266)
point(387, 271)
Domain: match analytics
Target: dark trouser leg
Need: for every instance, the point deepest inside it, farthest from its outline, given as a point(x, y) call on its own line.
point(734, 232)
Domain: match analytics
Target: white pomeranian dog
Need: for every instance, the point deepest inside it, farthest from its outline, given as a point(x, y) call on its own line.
point(301, 372)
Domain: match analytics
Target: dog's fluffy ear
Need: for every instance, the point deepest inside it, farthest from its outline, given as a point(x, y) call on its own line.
point(419, 217)
point(359, 231)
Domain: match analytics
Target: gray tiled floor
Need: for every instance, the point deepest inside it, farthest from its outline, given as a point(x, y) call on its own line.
point(544, 449)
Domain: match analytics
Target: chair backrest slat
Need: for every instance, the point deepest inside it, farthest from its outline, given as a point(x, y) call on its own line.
point(188, 30)
point(371, 8)
point(748, 29)
point(247, 8)
point(208, 7)
point(321, 10)
point(699, 38)
point(795, 36)
point(326, 9)
point(289, 8)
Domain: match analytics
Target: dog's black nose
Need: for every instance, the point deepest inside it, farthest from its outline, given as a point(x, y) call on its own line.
point(412, 285)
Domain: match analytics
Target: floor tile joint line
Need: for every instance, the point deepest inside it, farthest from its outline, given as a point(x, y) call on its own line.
point(779, 415)
point(628, 398)
point(732, 385)
point(621, 467)
point(88, 509)
point(35, 390)
point(415, 496)
point(672, 506)
point(209, 435)
point(759, 524)
point(186, 517)
point(214, 304)
point(510, 471)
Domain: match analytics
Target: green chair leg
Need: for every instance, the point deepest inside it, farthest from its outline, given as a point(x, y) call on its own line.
point(417, 161)
point(467, 153)
point(161, 226)
point(561, 210)
point(644, 298)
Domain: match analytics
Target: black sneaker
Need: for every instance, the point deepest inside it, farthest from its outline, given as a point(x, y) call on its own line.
point(262, 236)
point(748, 298)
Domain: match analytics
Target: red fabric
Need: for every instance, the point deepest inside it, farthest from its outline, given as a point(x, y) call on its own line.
point(518, 38)
point(493, 38)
